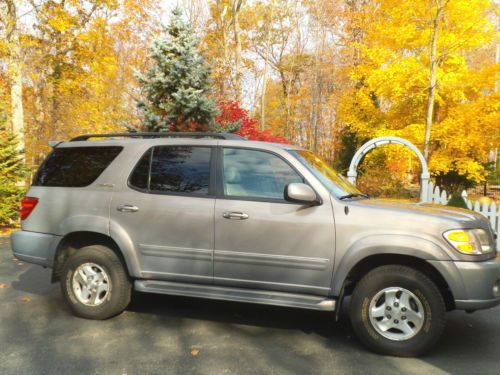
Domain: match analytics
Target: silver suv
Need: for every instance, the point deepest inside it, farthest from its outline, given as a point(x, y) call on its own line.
point(216, 216)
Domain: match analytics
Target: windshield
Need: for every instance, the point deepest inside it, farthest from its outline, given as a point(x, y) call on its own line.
point(337, 184)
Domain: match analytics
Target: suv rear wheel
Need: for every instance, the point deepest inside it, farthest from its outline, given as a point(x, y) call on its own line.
point(397, 310)
point(95, 284)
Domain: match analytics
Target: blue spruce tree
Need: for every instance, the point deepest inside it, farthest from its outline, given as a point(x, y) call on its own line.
point(176, 88)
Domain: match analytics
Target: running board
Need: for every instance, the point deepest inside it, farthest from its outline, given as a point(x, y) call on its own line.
point(236, 294)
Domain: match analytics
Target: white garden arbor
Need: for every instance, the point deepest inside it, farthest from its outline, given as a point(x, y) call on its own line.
point(374, 143)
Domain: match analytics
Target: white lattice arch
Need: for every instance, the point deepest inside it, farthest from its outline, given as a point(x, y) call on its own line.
point(375, 142)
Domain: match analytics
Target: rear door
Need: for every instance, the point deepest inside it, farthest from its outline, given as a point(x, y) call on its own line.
point(263, 241)
point(167, 209)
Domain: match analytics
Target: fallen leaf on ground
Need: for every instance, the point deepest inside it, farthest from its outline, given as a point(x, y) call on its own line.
point(3, 286)
point(26, 299)
point(195, 352)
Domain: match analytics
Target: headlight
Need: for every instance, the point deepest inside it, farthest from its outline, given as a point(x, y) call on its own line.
point(469, 241)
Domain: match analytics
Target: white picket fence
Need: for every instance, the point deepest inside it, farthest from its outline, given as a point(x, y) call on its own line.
point(490, 211)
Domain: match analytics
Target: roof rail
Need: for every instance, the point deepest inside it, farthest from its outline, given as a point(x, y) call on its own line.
point(86, 137)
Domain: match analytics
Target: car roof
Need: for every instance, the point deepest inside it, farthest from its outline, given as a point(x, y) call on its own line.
point(175, 141)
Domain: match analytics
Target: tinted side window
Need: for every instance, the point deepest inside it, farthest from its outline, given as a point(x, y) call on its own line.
point(180, 169)
point(140, 176)
point(75, 166)
point(256, 174)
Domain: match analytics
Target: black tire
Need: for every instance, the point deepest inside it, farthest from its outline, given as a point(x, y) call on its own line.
point(417, 283)
point(118, 295)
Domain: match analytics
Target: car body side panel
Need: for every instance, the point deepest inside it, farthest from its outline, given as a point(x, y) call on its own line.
point(58, 206)
point(281, 246)
point(171, 236)
point(471, 281)
point(384, 244)
point(84, 223)
point(365, 229)
point(127, 248)
point(34, 247)
point(63, 210)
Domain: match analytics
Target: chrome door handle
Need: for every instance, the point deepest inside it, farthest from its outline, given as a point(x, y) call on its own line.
point(127, 208)
point(234, 215)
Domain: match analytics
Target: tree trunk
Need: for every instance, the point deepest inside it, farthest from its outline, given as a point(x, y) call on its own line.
point(15, 71)
point(433, 60)
point(224, 67)
point(317, 89)
point(39, 120)
point(266, 69)
point(237, 50)
point(286, 91)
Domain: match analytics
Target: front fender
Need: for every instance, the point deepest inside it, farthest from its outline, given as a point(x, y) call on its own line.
point(413, 246)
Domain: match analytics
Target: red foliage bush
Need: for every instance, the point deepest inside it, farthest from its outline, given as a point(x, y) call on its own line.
point(231, 112)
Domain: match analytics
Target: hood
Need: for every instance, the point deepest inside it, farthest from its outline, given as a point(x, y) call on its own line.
point(424, 209)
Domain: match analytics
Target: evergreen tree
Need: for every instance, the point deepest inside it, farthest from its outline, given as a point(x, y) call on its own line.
point(12, 175)
point(177, 85)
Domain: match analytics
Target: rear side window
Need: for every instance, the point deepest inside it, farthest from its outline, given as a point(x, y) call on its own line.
point(75, 166)
point(173, 169)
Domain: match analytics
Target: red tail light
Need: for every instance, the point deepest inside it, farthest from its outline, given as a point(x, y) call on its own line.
point(28, 204)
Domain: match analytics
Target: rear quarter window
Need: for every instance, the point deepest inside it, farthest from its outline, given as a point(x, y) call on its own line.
point(75, 166)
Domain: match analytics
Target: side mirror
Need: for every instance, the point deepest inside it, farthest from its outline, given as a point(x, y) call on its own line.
point(301, 193)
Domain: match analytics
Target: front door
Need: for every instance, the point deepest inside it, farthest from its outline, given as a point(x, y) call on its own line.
point(263, 241)
point(167, 208)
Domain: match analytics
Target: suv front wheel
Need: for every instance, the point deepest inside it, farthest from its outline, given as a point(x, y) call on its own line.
point(95, 284)
point(397, 310)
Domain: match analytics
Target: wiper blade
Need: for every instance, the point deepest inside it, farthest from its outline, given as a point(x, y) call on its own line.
point(355, 195)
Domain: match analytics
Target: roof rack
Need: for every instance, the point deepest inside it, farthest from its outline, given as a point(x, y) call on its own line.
point(86, 137)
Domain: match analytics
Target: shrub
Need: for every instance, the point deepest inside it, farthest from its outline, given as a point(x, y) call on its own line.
point(233, 118)
point(456, 200)
point(378, 179)
point(12, 176)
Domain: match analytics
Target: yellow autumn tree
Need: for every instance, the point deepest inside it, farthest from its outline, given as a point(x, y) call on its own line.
point(79, 71)
point(410, 54)
point(70, 69)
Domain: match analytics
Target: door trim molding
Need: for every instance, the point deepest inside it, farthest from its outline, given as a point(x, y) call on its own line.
point(175, 252)
point(287, 261)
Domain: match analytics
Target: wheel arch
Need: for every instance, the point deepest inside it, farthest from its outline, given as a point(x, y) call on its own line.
point(73, 241)
point(369, 263)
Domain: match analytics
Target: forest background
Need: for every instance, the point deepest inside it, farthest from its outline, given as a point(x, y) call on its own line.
point(327, 75)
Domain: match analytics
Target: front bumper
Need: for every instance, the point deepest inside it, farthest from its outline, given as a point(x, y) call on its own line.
point(33, 247)
point(474, 285)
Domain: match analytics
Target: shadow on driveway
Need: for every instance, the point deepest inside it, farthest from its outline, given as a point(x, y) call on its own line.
point(157, 333)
